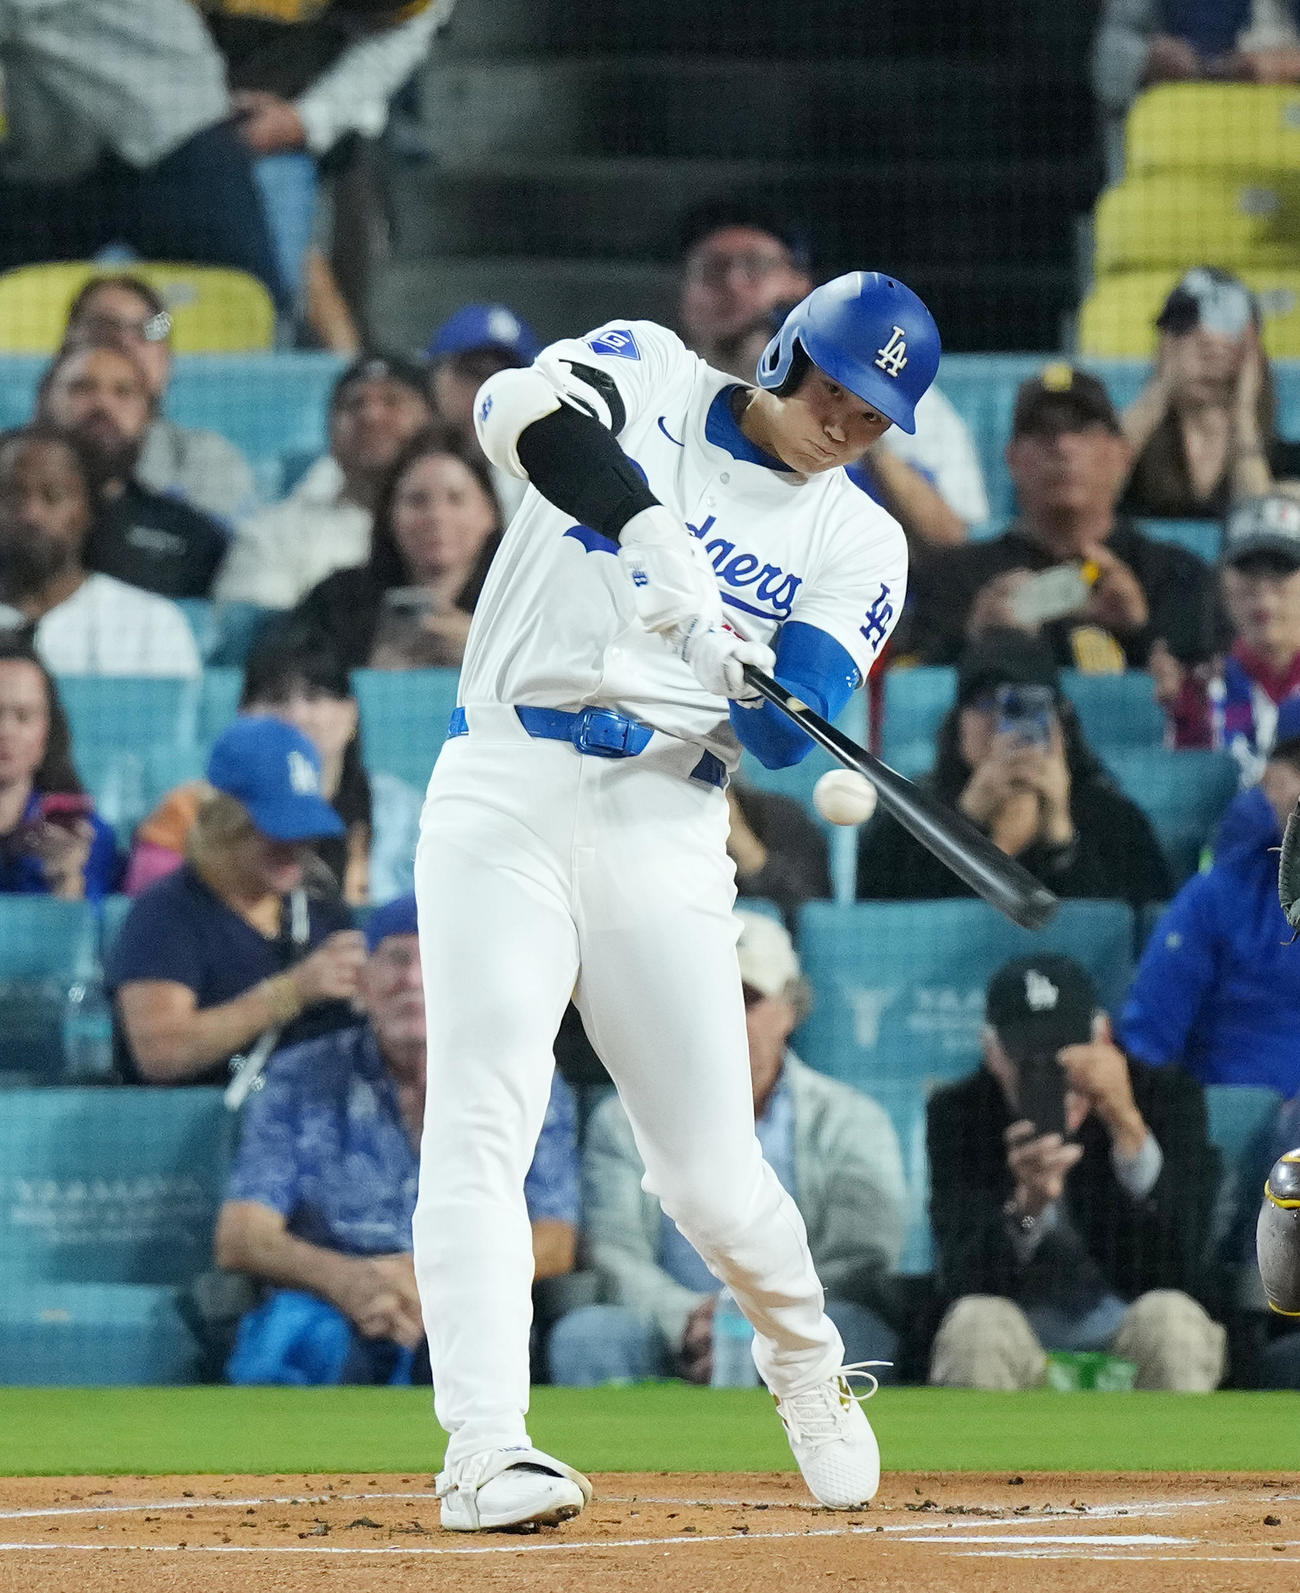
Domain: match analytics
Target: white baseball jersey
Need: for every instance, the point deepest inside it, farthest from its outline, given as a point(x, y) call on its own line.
point(556, 625)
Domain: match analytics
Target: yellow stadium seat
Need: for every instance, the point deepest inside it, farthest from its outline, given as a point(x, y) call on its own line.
point(1117, 319)
point(1214, 127)
point(214, 310)
point(1181, 219)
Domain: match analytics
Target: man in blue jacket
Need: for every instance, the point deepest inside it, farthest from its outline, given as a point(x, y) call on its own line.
point(1218, 989)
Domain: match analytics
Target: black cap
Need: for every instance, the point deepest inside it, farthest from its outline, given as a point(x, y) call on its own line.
point(1267, 525)
point(382, 368)
point(1005, 658)
point(1038, 1004)
point(1061, 398)
point(1211, 298)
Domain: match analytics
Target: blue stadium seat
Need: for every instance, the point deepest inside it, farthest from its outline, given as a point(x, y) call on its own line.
point(110, 1185)
point(117, 713)
point(916, 701)
point(199, 612)
point(1241, 1121)
point(1116, 710)
point(1182, 793)
point(44, 945)
point(235, 627)
point(899, 986)
point(798, 781)
point(219, 701)
point(1204, 538)
point(64, 1335)
point(905, 1102)
point(404, 716)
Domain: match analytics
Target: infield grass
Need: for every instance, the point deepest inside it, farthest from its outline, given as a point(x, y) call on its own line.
point(653, 1427)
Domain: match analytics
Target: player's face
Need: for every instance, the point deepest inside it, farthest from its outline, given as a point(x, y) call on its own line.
point(822, 425)
point(101, 396)
point(1263, 603)
point(113, 311)
point(24, 720)
point(393, 992)
point(733, 276)
point(441, 516)
point(1074, 469)
point(373, 421)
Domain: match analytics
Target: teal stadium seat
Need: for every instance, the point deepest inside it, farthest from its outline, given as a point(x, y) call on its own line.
point(798, 781)
point(404, 716)
point(44, 945)
point(108, 1199)
point(906, 1107)
point(219, 701)
point(127, 713)
point(899, 986)
point(1241, 1122)
point(1204, 538)
point(916, 701)
point(1116, 710)
point(1182, 793)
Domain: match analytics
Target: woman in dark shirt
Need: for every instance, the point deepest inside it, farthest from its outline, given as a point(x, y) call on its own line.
point(1045, 799)
point(437, 525)
point(231, 946)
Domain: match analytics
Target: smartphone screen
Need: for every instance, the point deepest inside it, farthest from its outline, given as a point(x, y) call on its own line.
point(1042, 1093)
point(1025, 712)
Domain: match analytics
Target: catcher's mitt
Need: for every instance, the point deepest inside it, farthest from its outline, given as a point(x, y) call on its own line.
point(1288, 874)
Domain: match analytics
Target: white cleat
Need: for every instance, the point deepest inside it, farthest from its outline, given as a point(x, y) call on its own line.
point(504, 1490)
point(832, 1439)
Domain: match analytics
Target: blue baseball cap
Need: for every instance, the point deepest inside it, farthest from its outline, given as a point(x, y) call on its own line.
point(393, 918)
point(477, 326)
point(274, 770)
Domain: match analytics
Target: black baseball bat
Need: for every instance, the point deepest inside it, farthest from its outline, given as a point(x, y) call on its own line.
point(950, 835)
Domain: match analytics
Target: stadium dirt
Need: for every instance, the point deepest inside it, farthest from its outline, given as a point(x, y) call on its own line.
point(925, 1533)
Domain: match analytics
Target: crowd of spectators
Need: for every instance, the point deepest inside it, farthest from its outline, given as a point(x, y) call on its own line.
point(1087, 1228)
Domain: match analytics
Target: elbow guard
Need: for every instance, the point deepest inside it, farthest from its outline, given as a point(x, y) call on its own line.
point(506, 404)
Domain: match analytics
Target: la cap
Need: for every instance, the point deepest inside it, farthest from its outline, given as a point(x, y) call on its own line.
point(393, 918)
point(274, 771)
point(1040, 1003)
point(476, 326)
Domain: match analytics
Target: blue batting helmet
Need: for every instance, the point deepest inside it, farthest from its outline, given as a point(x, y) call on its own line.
point(867, 331)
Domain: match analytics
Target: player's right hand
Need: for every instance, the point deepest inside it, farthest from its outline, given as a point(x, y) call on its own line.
point(717, 657)
point(672, 580)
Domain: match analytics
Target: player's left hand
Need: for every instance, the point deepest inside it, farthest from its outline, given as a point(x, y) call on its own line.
point(717, 658)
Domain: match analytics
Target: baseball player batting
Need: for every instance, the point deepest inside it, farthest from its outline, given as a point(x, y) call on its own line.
point(1277, 1232)
point(574, 838)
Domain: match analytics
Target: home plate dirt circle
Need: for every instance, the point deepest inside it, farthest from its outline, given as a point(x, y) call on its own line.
point(679, 1532)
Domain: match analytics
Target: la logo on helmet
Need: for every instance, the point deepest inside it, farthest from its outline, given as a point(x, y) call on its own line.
point(1040, 993)
point(893, 356)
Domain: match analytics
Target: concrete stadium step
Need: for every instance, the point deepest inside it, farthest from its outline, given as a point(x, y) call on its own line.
point(633, 208)
point(738, 108)
point(993, 308)
point(559, 296)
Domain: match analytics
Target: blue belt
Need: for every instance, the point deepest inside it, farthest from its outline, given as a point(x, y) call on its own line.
point(597, 732)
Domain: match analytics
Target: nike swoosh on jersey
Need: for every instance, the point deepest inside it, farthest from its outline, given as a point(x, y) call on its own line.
point(667, 433)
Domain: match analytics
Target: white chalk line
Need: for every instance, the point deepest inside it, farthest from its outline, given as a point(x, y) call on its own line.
point(208, 1502)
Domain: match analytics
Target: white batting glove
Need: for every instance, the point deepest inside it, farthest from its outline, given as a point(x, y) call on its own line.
point(717, 657)
point(672, 580)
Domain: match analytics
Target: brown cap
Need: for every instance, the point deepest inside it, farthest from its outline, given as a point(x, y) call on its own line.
point(1061, 398)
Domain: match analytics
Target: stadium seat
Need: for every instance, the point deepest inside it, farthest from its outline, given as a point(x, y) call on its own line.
point(1241, 1121)
point(219, 701)
point(1117, 319)
point(404, 716)
point(1116, 710)
point(916, 701)
point(1180, 219)
point(110, 1185)
point(214, 309)
point(45, 944)
point(116, 713)
point(1213, 127)
point(1204, 538)
point(101, 1334)
point(906, 1105)
point(798, 782)
point(235, 628)
point(1182, 793)
point(899, 986)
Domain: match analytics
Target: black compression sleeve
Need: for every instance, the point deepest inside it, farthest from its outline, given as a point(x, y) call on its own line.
point(572, 460)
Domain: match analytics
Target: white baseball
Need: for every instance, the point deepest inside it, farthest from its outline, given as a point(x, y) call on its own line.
point(842, 796)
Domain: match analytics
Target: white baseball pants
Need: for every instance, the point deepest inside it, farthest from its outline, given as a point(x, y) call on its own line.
point(542, 874)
